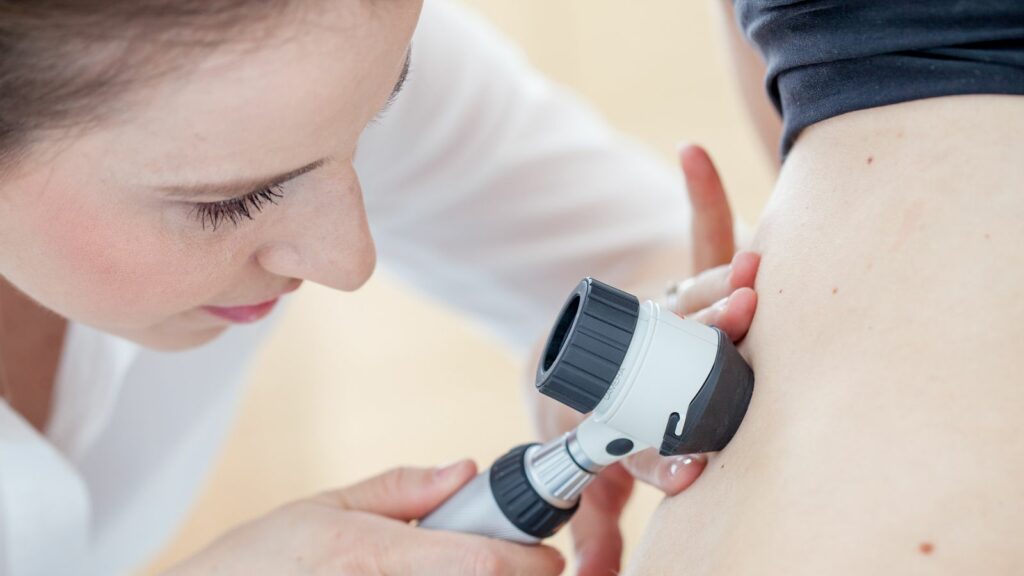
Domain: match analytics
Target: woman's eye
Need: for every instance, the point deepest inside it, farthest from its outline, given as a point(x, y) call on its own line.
point(213, 214)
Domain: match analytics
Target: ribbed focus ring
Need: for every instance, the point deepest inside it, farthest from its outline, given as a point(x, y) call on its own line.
point(588, 344)
point(520, 503)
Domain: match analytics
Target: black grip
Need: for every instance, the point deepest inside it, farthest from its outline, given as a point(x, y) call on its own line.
point(520, 503)
point(717, 410)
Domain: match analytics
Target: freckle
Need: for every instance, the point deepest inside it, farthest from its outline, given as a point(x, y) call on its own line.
point(987, 236)
point(926, 548)
point(780, 290)
point(899, 134)
point(834, 290)
point(871, 159)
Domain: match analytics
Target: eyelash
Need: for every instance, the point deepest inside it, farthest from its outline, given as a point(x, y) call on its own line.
point(236, 209)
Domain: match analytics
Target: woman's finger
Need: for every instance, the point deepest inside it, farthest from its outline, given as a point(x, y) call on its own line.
point(403, 493)
point(597, 540)
point(703, 290)
point(712, 217)
point(731, 315)
point(711, 286)
point(596, 536)
point(743, 270)
point(671, 475)
point(429, 552)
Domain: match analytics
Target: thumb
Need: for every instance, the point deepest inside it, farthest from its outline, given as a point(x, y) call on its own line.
point(712, 216)
point(404, 493)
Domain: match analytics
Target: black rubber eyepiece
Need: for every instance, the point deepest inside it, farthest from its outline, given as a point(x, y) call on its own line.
point(587, 345)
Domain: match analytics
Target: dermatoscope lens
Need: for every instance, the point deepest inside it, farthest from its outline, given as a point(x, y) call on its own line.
point(560, 334)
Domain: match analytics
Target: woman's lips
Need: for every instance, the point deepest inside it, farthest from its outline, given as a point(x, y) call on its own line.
point(242, 314)
point(254, 312)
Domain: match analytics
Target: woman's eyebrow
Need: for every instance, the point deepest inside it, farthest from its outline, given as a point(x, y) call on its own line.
point(232, 189)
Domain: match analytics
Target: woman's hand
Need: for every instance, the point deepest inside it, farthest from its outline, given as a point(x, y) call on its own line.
point(721, 294)
point(364, 529)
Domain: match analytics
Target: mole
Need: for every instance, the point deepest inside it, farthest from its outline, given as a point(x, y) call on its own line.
point(926, 548)
point(780, 290)
point(871, 159)
point(834, 290)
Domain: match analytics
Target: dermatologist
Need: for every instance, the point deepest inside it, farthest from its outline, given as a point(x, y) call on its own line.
point(171, 169)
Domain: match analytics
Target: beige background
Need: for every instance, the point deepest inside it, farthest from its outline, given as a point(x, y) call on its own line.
point(321, 409)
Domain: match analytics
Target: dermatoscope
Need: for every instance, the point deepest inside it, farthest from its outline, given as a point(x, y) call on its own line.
point(647, 377)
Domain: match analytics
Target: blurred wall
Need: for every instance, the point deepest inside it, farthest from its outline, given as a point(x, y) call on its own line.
point(342, 389)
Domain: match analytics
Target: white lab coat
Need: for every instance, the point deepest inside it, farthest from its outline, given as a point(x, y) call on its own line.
point(486, 187)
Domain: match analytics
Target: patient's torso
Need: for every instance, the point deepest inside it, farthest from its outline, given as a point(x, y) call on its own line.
point(885, 434)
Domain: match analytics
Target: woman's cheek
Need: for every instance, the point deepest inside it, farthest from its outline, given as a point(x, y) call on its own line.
point(119, 271)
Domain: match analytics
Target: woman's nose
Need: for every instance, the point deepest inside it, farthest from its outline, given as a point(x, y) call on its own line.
point(325, 237)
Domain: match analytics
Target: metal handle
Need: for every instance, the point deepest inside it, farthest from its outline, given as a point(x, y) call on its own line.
point(473, 510)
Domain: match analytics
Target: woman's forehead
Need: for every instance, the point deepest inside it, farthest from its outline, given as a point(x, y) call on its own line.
point(305, 93)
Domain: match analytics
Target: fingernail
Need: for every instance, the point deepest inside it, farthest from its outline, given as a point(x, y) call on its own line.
point(682, 144)
point(680, 463)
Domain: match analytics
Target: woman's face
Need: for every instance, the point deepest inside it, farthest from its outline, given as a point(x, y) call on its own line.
point(217, 189)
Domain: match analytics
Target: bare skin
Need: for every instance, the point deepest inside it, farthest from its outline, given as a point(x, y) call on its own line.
point(115, 226)
point(100, 226)
point(884, 434)
point(719, 294)
point(31, 339)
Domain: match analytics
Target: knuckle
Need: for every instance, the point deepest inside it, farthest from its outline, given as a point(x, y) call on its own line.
point(394, 481)
point(349, 550)
point(636, 465)
point(345, 562)
point(632, 465)
point(486, 561)
point(336, 498)
point(707, 316)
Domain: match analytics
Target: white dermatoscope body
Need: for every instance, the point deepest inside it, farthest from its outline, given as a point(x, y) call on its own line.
point(649, 379)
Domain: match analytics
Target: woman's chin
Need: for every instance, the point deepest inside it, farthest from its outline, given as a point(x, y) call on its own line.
point(173, 340)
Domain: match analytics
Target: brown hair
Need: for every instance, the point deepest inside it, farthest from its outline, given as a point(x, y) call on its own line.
point(67, 62)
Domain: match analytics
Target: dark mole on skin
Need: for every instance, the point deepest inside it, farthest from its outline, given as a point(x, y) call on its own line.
point(926, 548)
point(780, 290)
point(871, 159)
point(834, 290)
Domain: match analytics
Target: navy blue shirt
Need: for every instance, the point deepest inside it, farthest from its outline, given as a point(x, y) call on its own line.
point(829, 57)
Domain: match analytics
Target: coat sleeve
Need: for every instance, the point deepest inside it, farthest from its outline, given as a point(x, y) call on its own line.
point(495, 191)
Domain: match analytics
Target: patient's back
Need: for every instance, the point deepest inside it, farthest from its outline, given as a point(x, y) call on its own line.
point(886, 432)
